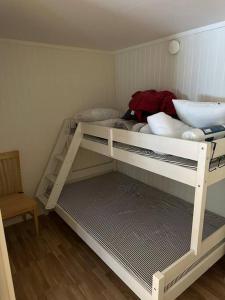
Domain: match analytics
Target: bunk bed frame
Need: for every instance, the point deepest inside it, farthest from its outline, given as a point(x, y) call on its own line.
point(202, 168)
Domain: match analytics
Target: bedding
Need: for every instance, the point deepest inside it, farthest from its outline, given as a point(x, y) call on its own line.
point(137, 127)
point(97, 114)
point(205, 134)
point(116, 123)
point(145, 229)
point(145, 103)
point(194, 134)
point(129, 115)
point(145, 129)
point(130, 125)
point(164, 125)
point(200, 114)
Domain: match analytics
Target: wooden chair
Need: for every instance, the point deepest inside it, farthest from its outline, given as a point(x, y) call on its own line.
point(6, 282)
point(13, 202)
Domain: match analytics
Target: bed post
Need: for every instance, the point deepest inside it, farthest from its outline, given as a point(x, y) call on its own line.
point(158, 282)
point(200, 197)
point(110, 145)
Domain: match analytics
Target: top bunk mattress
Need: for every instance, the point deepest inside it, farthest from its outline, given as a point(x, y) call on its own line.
point(145, 229)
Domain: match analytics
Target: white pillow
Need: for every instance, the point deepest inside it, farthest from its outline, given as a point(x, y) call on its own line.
point(137, 127)
point(194, 134)
point(165, 125)
point(97, 114)
point(146, 129)
point(141, 127)
point(213, 133)
point(200, 114)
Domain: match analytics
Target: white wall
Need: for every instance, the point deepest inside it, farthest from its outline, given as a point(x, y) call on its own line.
point(196, 73)
point(41, 85)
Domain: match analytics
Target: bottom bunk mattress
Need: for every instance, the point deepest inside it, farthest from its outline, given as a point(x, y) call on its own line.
point(145, 229)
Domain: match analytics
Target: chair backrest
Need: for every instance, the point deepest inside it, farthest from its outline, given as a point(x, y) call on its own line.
point(10, 173)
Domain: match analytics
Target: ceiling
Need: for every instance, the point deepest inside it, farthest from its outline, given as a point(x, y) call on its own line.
point(104, 24)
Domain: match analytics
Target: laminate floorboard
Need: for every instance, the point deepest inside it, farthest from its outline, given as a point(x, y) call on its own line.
point(58, 265)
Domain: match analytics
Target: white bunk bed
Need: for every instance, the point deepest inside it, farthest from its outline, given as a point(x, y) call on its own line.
point(197, 164)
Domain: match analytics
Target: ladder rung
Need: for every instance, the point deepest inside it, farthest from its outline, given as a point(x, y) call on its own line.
point(51, 178)
point(42, 198)
point(60, 157)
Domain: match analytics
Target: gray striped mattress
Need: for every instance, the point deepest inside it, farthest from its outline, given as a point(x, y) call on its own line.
point(145, 229)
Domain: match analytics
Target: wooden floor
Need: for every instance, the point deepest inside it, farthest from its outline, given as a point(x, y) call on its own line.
point(57, 265)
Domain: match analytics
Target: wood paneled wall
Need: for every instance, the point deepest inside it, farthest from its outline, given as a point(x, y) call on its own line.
point(197, 72)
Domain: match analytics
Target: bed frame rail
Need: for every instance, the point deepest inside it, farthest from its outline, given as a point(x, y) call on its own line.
point(174, 270)
point(168, 284)
point(178, 173)
point(176, 147)
point(94, 130)
point(219, 148)
point(183, 283)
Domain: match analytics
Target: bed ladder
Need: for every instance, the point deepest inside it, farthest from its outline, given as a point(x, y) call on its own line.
point(60, 163)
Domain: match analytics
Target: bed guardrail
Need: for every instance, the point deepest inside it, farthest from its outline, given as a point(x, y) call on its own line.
point(171, 146)
point(103, 140)
point(167, 284)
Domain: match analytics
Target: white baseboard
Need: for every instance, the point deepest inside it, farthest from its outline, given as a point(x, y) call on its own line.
point(19, 219)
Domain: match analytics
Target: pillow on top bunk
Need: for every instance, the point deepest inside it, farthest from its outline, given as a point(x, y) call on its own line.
point(165, 125)
point(137, 127)
point(141, 127)
point(200, 114)
point(145, 129)
point(97, 114)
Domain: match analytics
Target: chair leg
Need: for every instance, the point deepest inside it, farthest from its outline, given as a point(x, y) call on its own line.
point(35, 215)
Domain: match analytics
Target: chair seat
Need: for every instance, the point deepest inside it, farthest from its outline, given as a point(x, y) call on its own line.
point(16, 204)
